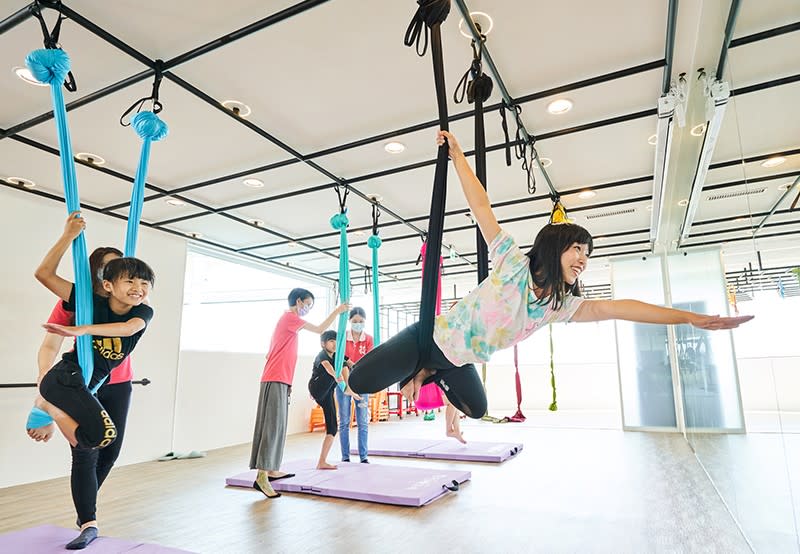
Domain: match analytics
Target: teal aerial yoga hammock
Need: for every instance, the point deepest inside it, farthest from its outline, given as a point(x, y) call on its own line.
point(340, 222)
point(374, 242)
point(51, 66)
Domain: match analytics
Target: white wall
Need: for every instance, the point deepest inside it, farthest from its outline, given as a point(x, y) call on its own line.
point(218, 396)
point(30, 226)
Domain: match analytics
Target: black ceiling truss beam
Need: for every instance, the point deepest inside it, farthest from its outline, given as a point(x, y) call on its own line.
point(223, 247)
point(113, 173)
point(465, 211)
point(526, 217)
point(22, 14)
point(763, 35)
point(424, 163)
point(612, 184)
point(419, 165)
point(746, 228)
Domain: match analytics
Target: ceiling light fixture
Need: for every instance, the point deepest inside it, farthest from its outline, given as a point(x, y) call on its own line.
point(560, 106)
point(546, 162)
point(587, 194)
point(773, 162)
point(376, 198)
point(482, 20)
point(175, 202)
point(671, 110)
point(253, 183)
point(698, 130)
point(652, 140)
point(25, 74)
point(716, 94)
point(24, 183)
point(90, 158)
point(683, 202)
point(239, 108)
point(394, 147)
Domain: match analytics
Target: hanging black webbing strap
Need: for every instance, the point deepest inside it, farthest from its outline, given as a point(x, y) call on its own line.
point(432, 13)
point(50, 38)
point(478, 90)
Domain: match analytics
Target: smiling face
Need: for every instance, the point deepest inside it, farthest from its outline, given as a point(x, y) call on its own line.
point(330, 346)
point(573, 262)
point(128, 291)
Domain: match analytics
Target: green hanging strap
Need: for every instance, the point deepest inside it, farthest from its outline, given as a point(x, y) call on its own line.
point(553, 407)
point(374, 242)
point(340, 222)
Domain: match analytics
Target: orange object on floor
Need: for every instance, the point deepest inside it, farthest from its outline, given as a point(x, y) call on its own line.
point(317, 419)
point(378, 406)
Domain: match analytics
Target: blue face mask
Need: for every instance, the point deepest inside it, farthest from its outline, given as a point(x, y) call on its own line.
point(357, 327)
point(303, 310)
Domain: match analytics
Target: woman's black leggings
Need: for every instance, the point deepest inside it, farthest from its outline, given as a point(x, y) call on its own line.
point(64, 388)
point(398, 360)
point(322, 391)
point(90, 466)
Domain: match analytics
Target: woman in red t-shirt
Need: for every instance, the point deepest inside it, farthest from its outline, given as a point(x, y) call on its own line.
point(90, 467)
point(272, 415)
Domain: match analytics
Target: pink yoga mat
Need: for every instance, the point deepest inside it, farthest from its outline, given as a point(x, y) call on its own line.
point(404, 486)
point(47, 539)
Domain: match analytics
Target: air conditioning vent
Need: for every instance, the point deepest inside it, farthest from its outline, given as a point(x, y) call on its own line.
point(737, 194)
point(611, 213)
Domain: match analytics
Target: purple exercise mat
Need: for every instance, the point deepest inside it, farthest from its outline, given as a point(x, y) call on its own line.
point(448, 449)
point(46, 539)
point(405, 486)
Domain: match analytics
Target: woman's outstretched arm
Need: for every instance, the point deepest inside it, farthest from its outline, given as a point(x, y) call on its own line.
point(642, 312)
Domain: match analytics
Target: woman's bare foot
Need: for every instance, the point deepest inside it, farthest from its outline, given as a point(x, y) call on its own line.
point(456, 434)
point(325, 465)
point(42, 434)
point(411, 389)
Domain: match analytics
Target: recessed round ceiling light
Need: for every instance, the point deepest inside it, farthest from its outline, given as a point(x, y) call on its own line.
point(683, 202)
point(239, 108)
point(560, 106)
point(90, 158)
point(773, 162)
point(25, 74)
point(175, 202)
point(195, 235)
point(482, 20)
point(253, 183)
point(653, 139)
point(546, 162)
point(394, 147)
point(698, 130)
point(587, 194)
point(256, 222)
point(24, 183)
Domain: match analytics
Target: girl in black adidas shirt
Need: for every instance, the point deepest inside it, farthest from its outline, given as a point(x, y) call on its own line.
point(119, 322)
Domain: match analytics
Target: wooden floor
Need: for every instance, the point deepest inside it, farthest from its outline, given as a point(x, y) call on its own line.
point(569, 491)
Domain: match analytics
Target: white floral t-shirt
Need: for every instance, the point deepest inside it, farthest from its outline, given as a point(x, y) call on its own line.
point(500, 312)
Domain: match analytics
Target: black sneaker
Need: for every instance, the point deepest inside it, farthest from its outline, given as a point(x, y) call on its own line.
point(364, 461)
point(347, 460)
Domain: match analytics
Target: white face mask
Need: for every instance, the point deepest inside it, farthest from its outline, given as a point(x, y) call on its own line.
point(357, 327)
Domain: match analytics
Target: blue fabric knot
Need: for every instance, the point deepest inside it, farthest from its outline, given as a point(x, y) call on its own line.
point(340, 221)
point(38, 418)
point(374, 241)
point(48, 66)
point(149, 126)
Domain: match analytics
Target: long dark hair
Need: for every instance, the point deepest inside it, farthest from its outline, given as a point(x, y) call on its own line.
point(96, 266)
point(545, 260)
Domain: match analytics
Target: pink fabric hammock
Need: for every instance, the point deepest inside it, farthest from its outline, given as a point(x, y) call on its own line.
point(430, 395)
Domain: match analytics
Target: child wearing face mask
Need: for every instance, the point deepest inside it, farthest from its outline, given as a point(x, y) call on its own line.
point(269, 435)
point(358, 343)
